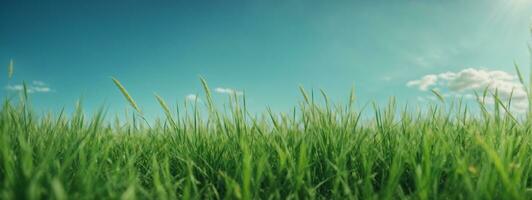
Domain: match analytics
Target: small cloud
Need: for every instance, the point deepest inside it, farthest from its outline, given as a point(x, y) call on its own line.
point(386, 78)
point(228, 91)
point(424, 83)
point(41, 89)
point(15, 87)
point(39, 83)
point(421, 61)
point(35, 87)
point(427, 59)
point(192, 97)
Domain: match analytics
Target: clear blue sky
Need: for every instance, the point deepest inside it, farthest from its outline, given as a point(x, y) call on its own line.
point(265, 48)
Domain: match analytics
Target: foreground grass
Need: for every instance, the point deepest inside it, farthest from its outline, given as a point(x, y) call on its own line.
point(319, 151)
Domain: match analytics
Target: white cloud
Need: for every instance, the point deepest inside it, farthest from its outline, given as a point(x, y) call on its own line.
point(464, 83)
point(430, 57)
point(15, 87)
point(35, 87)
point(192, 97)
point(228, 91)
point(41, 89)
point(386, 78)
point(39, 83)
point(421, 61)
point(424, 83)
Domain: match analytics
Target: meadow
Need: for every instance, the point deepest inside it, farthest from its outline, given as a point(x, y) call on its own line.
point(319, 150)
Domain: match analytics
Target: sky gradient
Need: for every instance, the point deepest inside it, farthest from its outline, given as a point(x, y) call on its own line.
point(263, 48)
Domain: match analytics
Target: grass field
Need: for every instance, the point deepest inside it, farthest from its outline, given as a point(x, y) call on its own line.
point(317, 151)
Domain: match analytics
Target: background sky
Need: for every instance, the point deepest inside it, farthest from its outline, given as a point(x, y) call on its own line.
point(264, 48)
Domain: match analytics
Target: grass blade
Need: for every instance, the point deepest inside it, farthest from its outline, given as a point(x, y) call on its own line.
point(10, 69)
point(166, 110)
point(126, 95)
point(440, 97)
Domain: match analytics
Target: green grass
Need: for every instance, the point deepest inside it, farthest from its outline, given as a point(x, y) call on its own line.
point(319, 151)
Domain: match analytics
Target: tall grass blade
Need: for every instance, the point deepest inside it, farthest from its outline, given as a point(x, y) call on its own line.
point(126, 95)
point(166, 110)
point(10, 69)
point(305, 95)
point(438, 95)
point(530, 82)
point(520, 76)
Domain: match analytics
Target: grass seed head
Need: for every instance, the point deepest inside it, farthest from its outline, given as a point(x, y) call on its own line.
point(126, 95)
point(10, 69)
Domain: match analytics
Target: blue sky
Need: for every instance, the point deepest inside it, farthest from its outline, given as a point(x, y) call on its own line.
point(264, 48)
